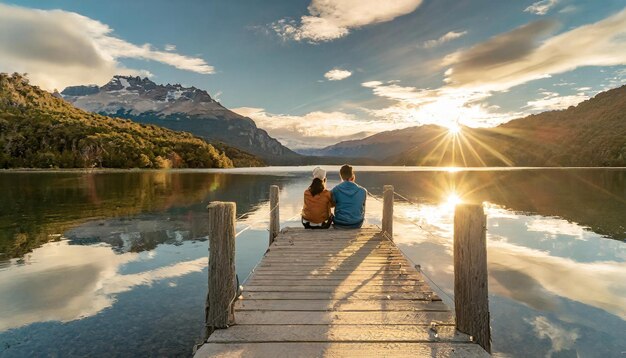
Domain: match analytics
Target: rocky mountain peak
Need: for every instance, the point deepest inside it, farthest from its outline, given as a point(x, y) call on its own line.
point(129, 83)
point(121, 86)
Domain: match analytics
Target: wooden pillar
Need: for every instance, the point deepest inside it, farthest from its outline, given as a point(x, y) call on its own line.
point(274, 213)
point(471, 300)
point(219, 308)
point(388, 210)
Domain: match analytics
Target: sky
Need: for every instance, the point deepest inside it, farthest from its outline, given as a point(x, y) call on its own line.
point(316, 72)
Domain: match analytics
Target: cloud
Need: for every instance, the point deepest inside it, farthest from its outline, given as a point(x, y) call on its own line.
point(604, 286)
point(561, 338)
point(74, 285)
point(170, 47)
point(541, 7)
point(60, 48)
point(371, 84)
point(555, 227)
point(337, 74)
point(553, 101)
point(519, 56)
point(332, 19)
point(568, 9)
point(443, 106)
point(320, 128)
point(445, 38)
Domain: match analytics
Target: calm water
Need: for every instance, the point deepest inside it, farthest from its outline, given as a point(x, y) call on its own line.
point(115, 263)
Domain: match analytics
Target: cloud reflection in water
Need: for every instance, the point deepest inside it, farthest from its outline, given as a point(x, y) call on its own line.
point(63, 282)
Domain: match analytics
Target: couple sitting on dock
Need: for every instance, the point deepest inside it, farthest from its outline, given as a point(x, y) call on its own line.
point(348, 199)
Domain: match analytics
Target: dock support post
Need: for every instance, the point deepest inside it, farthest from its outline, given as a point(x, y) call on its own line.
point(471, 300)
point(274, 213)
point(219, 310)
point(388, 210)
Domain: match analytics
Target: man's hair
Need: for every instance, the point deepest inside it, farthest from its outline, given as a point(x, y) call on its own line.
point(346, 172)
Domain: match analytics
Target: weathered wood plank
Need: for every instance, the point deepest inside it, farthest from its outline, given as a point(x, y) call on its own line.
point(337, 333)
point(340, 282)
point(326, 349)
point(339, 305)
point(325, 270)
point(335, 283)
point(339, 289)
point(323, 260)
point(423, 295)
point(338, 276)
point(337, 253)
point(360, 266)
point(347, 317)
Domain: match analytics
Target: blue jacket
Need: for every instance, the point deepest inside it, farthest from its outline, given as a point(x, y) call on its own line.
point(349, 201)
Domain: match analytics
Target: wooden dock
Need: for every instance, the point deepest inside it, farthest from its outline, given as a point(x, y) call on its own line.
point(330, 293)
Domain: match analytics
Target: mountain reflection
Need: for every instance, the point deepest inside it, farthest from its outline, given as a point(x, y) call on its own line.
point(39, 207)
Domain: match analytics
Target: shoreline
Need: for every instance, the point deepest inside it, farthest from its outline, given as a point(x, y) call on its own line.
point(276, 169)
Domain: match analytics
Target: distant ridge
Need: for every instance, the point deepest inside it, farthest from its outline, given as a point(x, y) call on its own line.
point(593, 133)
point(180, 108)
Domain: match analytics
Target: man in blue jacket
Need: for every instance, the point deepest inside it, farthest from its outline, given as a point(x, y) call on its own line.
point(349, 200)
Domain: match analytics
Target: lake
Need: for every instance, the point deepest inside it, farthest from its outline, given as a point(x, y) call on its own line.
point(114, 263)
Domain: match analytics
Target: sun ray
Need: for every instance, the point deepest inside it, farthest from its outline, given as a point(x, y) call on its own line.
point(432, 152)
point(494, 152)
point(473, 151)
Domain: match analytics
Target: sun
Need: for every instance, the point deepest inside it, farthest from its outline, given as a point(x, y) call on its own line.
point(454, 129)
point(453, 199)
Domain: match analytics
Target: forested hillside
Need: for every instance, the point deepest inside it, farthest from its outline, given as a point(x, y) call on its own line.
point(39, 130)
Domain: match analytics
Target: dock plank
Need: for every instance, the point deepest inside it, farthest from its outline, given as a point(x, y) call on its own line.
point(338, 349)
point(346, 317)
point(337, 333)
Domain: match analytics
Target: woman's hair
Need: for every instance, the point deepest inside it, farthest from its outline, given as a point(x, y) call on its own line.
point(317, 186)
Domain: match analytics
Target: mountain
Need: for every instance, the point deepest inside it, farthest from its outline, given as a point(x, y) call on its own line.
point(593, 133)
point(381, 145)
point(179, 108)
point(39, 130)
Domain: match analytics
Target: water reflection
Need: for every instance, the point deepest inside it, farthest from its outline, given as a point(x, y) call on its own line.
point(555, 251)
point(63, 282)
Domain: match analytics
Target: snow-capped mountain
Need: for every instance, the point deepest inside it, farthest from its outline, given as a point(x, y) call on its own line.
point(179, 108)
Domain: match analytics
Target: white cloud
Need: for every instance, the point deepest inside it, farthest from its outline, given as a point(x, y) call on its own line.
point(315, 129)
point(561, 338)
point(170, 47)
point(541, 7)
point(452, 35)
point(444, 106)
point(553, 101)
point(85, 288)
point(332, 19)
point(337, 74)
point(60, 48)
point(371, 84)
point(604, 286)
point(555, 227)
point(568, 9)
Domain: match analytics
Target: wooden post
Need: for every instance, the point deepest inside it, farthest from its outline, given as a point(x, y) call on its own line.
point(274, 213)
point(219, 308)
point(471, 300)
point(388, 210)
